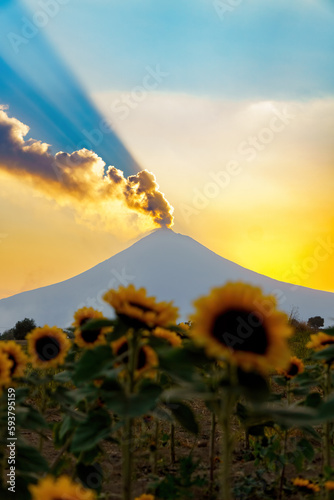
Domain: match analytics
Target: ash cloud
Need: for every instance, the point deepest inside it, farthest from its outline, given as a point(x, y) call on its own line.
point(79, 179)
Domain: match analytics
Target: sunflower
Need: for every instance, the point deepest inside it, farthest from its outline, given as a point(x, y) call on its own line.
point(172, 338)
point(319, 341)
point(237, 322)
point(139, 311)
point(295, 367)
point(184, 330)
point(329, 485)
point(90, 338)
point(5, 369)
point(15, 353)
point(147, 358)
point(306, 485)
point(47, 346)
point(145, 497)
point(63, 488)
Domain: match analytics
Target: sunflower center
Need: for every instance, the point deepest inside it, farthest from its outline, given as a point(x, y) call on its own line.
point(83, 321)
point(90, 336)
point(293, 370)
point(14, 365)
point(141, 307)
point(47, 348)
point(141, 359)
point(241, 330)
point(327, 342)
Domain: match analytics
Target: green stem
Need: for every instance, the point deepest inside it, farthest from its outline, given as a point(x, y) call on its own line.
point(247, 444)
point(156, 441)
point(127, 460)
point(226, 408)
point(285, 444)
point(2, 459)
point(212, 449)
point(127, 455)
point(172, 443)
point(60, 455)
point(74, 472)
point(42, 410)
point(327, 425)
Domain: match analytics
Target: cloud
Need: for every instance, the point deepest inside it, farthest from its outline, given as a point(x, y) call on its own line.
point(81, 180)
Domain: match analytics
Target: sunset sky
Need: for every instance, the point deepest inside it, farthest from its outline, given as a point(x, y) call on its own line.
point(231, 107)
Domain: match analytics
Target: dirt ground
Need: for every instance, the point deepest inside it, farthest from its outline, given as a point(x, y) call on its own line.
point(243, 467)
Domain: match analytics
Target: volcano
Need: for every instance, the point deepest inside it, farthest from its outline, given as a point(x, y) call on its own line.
point(170, 266)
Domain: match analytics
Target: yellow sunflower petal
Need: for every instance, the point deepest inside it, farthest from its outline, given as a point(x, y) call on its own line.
point(5, 371)
point(306, 485)
point(16, 354)
point(62, 488)
point(47, 346)
point(138, 310)
point(238, 323)
point(295, 367)
point(145, 497)
point(320, 341)
point(90, 338)
point(172, 338)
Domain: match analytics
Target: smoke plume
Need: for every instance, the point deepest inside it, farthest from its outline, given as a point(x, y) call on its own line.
point(80, 179)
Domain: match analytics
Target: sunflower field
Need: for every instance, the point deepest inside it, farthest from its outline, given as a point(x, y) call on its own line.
point(139, 407)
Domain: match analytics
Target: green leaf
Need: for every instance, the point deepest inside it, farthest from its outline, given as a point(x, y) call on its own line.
point(120, 330)
point(135, 405)
point(162, 414)
point(146, 399)
point(306, 448)
point(94, 429)
point(66, 426)
point(90, 456)
point(255, 386)
point(21, 394)
point(181, 363)
point(314, 400)
point(279, 380)
point(305, 379)
point(29, 418)
point(293, 415)
point(64, 396)
point(93, 364)
point(97, 324)
point(184, 415)
point(64, 376)
point(311, 431)
point(28, 459)
point(325, 354)
point(326, 410)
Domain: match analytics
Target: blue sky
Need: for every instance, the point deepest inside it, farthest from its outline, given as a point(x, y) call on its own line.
point(229, 78)
point(260, 48)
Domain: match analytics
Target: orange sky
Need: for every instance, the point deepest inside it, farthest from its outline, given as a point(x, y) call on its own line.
point(274, 215)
